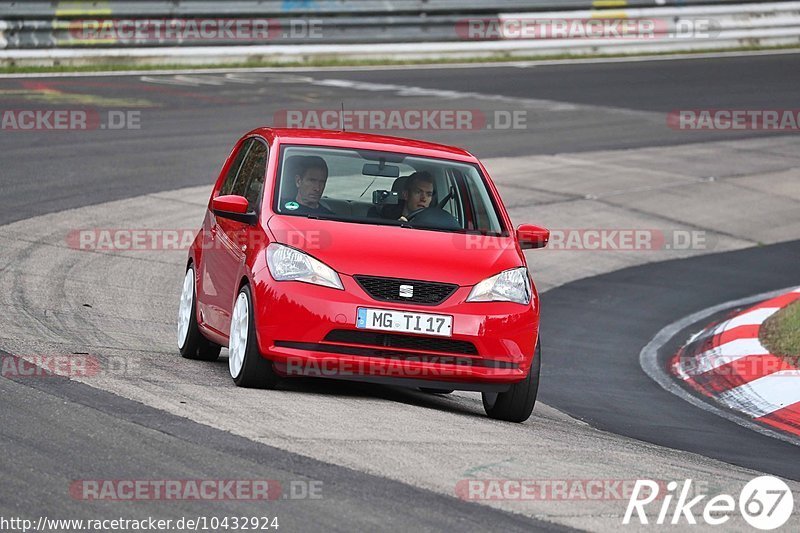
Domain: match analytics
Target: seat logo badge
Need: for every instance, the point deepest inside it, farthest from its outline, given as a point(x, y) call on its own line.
point(406, 291)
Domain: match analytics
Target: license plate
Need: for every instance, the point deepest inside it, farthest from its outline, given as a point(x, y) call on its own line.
point(405, 322)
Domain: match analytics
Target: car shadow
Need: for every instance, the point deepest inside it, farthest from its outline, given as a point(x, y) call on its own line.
point(392, 393)
point(356, 389)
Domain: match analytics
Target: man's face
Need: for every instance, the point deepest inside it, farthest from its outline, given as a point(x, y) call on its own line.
point(419, 196)
point(310, 186)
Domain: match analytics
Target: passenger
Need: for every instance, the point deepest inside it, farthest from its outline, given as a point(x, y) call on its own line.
point(418, 193)
point(311, 177)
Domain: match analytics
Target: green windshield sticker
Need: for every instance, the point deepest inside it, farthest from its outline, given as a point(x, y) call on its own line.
point(291, 205)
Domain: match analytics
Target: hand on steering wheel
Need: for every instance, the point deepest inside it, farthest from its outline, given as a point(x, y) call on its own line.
point(412, 214)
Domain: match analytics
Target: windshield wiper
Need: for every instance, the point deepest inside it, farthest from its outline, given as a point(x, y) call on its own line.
point(317, 216)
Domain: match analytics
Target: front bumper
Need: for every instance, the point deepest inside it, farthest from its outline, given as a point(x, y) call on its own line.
point(308, 330)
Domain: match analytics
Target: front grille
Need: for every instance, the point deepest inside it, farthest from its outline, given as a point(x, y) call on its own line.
point(388, 290)
point(407, 342)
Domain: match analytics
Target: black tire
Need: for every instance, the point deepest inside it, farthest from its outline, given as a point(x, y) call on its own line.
point(516, 404)
point(436, 391)
point(196, 346)
point(256, 371)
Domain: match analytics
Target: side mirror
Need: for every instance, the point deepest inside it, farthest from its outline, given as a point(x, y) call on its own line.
point(233, 207)
point(530, 236)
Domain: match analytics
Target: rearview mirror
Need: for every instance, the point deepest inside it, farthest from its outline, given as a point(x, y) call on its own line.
point(530, 236)
point(381, 169)
point(233, 207)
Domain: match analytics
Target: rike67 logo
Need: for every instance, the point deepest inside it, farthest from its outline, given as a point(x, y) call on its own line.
point(765, 503)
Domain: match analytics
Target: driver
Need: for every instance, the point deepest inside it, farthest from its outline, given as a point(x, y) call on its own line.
point(310, 179)
point(418, 193)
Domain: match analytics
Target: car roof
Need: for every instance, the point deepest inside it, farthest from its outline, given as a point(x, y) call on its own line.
point(352, 139)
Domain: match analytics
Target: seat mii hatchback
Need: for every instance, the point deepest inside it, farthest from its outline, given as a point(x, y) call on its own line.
point(362, 257)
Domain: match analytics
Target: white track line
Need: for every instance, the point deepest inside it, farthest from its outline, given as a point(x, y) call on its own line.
point(445, 94)
point(196, 81)
point(648, 359)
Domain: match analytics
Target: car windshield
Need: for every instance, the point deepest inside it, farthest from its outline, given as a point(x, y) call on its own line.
point(385, 188)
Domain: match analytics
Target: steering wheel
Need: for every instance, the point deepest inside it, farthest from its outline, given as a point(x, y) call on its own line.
point(434, 218)
point(412, 214)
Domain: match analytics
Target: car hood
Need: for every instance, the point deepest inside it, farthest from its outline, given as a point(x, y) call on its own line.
point(396, 252)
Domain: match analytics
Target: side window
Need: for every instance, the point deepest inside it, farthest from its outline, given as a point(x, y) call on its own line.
point(250, 181)
point(233, 170)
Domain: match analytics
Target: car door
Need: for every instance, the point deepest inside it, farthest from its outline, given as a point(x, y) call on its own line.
point(212, 280)
point(226, 263)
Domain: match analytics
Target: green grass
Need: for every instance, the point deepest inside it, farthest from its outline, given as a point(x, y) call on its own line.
point(332, 62)
point(780, 334)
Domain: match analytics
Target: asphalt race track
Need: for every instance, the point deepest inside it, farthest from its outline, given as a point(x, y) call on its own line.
point(629, 402)
point(595, 152)
point(187, 128)
point(32, 415)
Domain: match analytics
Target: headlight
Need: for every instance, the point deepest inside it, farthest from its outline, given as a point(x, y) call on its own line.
point(288, 264)
point(508, 286)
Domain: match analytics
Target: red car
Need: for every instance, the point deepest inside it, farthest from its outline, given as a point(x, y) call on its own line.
point(364, 257)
